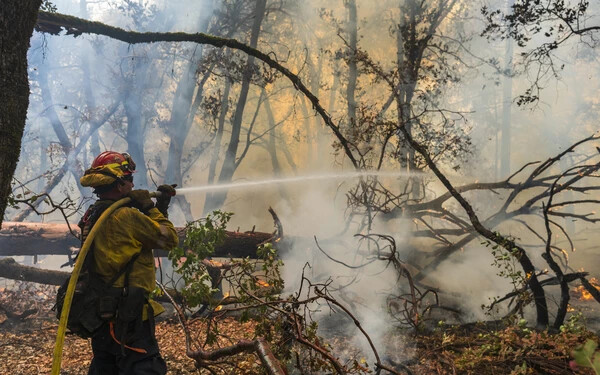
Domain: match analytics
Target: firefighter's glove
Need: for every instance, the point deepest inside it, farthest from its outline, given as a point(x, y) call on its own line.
point(164, 199)
point(141, 200)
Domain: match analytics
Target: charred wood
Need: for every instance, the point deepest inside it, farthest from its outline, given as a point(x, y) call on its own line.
point(19, 239)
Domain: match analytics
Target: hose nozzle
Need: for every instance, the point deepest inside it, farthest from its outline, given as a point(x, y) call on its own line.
point(164, 190)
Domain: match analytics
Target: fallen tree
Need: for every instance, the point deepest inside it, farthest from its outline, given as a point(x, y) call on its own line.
point(24, 238)
point(10, 269)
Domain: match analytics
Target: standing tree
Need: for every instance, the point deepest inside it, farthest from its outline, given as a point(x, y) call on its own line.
point(231, 155)
point(17, 19)
point(542, 27)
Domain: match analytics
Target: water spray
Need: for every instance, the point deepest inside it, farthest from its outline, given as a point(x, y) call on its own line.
point(286, 180)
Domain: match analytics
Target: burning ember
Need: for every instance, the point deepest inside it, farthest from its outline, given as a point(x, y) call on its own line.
point(262, 283)
point(220, 307)
point(214, 263)
point(582, 294)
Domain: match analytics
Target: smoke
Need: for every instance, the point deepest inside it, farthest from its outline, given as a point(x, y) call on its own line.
point(88, 75)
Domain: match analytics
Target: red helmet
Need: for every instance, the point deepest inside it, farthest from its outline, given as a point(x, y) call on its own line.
point(119, 160)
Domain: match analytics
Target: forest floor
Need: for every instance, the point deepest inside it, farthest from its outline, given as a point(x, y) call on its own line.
point(26, 345)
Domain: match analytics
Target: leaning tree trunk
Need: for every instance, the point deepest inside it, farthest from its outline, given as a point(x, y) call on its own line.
point(507, 86)
point(17, 18)
point(230, 162)
point(352, 65)
point(272, 147)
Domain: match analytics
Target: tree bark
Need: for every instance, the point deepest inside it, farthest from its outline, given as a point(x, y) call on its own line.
point(17, 239)
point(272, 146)
point(178, 126)
point(352, 66)
point(183, 112)
point(214, 157)
point(10, 269)
point(57, 125)
point(90, 100)
point(229, 163)
point(516, 251)
point(17, 18)
point(507, 86)
point(135, 128)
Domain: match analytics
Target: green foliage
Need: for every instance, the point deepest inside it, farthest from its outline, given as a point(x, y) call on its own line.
point(575, 324)
point(255, 286)
point(26, 197)
point(252, 276)
point(48, 6)
point(201, 238)
point(587, 356)
point(520, 369)
point(507, 263)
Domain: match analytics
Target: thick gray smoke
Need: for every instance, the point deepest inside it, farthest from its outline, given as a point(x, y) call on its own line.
point(77, 81)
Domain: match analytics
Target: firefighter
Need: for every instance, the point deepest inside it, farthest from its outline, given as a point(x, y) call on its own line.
point(122, 251)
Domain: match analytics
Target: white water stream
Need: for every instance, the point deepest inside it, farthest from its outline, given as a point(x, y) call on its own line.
point(287, 180)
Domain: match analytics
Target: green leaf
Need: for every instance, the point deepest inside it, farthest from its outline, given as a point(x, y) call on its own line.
point(596, 364)
point(583, 355)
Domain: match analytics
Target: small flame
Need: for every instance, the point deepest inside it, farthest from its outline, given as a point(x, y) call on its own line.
point(582, 294)
point(262, 283)
point(220, 307)
point(214, 263)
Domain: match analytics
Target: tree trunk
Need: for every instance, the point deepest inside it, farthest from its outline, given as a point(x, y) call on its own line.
point(323, 136)
point(179, 124)
point(71, 159)
point(229, 163)
point(135, 128)
point(43, 157)
point(50, 112)
point(311, 123)
point(17, 19)
point(178, 129)
point(272, 146)
point(57, 125)
point(506, 106)
point(90, 100)
point(19, 239)
point(352, 67)
point(214, 158)
point(10, 269)
point(306, 114)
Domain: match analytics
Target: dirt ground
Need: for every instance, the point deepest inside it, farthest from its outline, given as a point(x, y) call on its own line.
point(26, 345)
point(30, 352)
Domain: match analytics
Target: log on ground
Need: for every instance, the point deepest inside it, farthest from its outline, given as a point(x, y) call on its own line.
point(25, 238)
point(10, 269)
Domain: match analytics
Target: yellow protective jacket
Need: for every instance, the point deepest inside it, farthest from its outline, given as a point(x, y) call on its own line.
point(126, 233)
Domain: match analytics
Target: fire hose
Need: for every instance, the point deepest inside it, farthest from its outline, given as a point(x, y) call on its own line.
point(64, 316)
